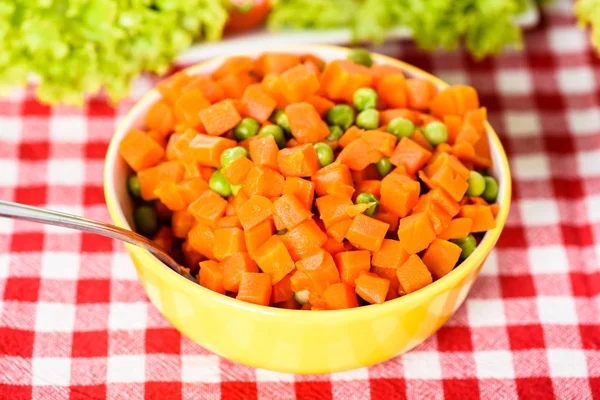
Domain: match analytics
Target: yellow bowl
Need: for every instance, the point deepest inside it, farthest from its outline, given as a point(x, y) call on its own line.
point(289, 340)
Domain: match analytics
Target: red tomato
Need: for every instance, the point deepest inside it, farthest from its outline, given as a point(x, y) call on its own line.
point(247, 14)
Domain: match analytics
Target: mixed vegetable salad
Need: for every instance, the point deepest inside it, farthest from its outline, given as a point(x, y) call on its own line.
point(292, 182)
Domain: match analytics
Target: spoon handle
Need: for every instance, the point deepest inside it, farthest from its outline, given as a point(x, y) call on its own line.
point(35, 214)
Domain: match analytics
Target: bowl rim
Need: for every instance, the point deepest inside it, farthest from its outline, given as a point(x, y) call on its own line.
point(411, 300)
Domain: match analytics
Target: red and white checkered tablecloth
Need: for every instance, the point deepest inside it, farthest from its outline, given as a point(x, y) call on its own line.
point(76, 324)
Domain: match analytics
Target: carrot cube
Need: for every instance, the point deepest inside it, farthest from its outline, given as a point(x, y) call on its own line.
point(399, 194)
point(264, 151)
point(228, 241)
point(366, 232)
point(301, 188)
point(181, 223)
point(304, 238)
point(208, 207)
point(369, 186)
point(454, 184)
point(353, 133)
point(220, 117)
point(233, 268)
point(383, 142)
point(202, 239)
point(393, 91)
point(139, 151)
point(332, 209)
point(306, 123)
point(274, 259)
point(389, 218)
point(275, 63)
point(300, 161)
point(341, 78)
point(263, 181)
point(321, 104)
point(258, 235)
point(457, 229)
point(228, 221)
point(320, 268)
point(254, 211)
point(327, 176)
point(340, 296)
point(211, 276)
point(206, 150)
point(410, 155)
point(160, 117)
point(372, 288)
point(258, 104)
point(255, 288)
point(188, 106)
point(390, 275)
point(358, 155)
point(413, 275)
point(391, 254)
point(237, 171)
point(351, 263)
point(209, 88)
point(191, 189)
point(416, 232)
point(170, 196)
point(290, 211)
point(298, 83)
point(234, 86)
point(151, 178)
point(482, 217)
point(440, 257)
point(339, 230)
point(332, 246)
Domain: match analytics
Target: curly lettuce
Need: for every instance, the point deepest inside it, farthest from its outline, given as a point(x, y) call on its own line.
point(77, 47)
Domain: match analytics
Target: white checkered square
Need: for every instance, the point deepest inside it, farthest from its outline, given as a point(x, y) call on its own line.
point(486, 312)
point(50, 371)
point(567, 363)
point(122, 267)
point(454, 77)
point(358, 373)
point(584, 122)
point(587, 163)
point(203, 369)
point(68, 128)
point(10, 129)
point(9, 174)
point(66, 172)
point(60, 265)
point(530, 166)
point(514, 81)
point(6, 225)
point(522, 123)
point(537, 212)
point(422, 365)
point(494, 364)
point(126, 368)
point(576, 80)
point(128, 315)
point(490, 268)
point(568, 40)
point(55, 317)
point(548, 259)
point(592, 203)
point(556, 310)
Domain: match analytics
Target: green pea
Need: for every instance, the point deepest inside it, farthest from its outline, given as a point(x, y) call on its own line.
point(133, 186)
point(219, 184)
point(401, 127)
point(341, 115)
point(280, 118)
point(335, 133)
point(360, 56)
point(467, 244)
point(490, 194)
point(276, 132)
point(368, 119)
point(324, 153)
point(235, 189)
point(384, 166)
point(436, 133)
point(246, 128)
point(365, 99)
point(476, 184)
point(146, 220)
point(368, 198)
point(230, 155)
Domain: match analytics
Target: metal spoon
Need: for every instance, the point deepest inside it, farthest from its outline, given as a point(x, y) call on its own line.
point(9, 209)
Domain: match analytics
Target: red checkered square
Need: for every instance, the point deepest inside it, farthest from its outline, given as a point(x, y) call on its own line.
point(162, 390)
point(22, 289)
point(16, 342)
point(87, 392)
point(93, 291)
point(393, 389)
point(34, 151)
point(239, 390)
point(461, 389)
point(517, 286)
point(27, 242)
point(312, 390)
point(15, 392)
point(453, 338)
point(93, 243)
point(526, 337)
point(535, 388)
point(32, 195)
point(90, 344)
point(165, 340)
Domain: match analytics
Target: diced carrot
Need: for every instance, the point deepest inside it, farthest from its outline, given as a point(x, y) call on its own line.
point(233, 268)
point(371, 287)
point(234, 86)
point(482, 217)
point(340, 296)
point(440, 257)
point(453, 124)
point(300, 161)
point(139, 151)
point(263, 181)
point(353, 133)
point(301, 188)
point(170, 152)
point(357, 155)
point(445, 202)
point(304, 238)
point(416, 232)
point(151, 178)
point(181, 144)
point(181, 223)
point(233, 66)
point(339, 230)
point(454, 184)
point(254, 211)
point(202, 239)
point(391, 254)
point(170, 88)
point(393, 90)
point(463, 150)
point(164, 238)
point(340, 190)
point(341, 78)
point(211, 276)
point(228, 241)
point(321, 104)
point(264, 151)
point(209, 88)
point(298, 83)
point(420, 139)
point(188, 106)
point(332, 246)
point(192, 169)
point(206, 150)
point(387, 115)
point(290, 211)
point(255, 288)
point(457, 229)
point(468, 134)
point(237, 171)
point(273, 258)
point(495, 208)
point(258, 235)
point(300, 281)
point(466, 99)
point(444, 103)
point(369, 186)
point(399, 194)
point(332, 209)
point(420, 93)
point(228, 221)
point(410, 155)
point(272, 85)
point(369, 173)
point(367, 232)
point(351, 263)
point(306, 123)
point(383, 142)
point(275, 63)
point(290, 304)
point(192, 257)
point(413, 274)
point(257, 103)
point(389, 218)
point(170, 196)
point(392, 277)
point(191, 189)
point(160, 117)
point(282, 290)
point(320, 268)
point(439, 217)
point(220, 117)
point(356, 209)
point(381, 70)
point(208, 207)
point(326, 176)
